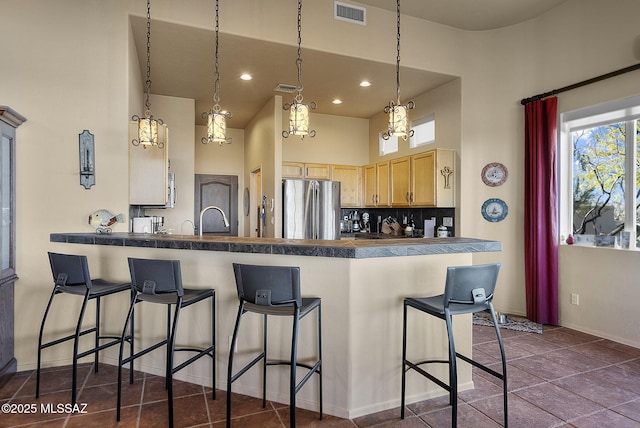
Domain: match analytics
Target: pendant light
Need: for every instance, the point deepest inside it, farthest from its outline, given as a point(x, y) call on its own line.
point(299, 111)
point(398, 113)
point(151, 132)
point(216, 118)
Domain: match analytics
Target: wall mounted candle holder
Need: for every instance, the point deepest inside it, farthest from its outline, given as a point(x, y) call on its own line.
point(87, 159)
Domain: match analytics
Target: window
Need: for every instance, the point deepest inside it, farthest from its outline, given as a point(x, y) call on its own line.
point(387, 146)
point(424, 131)
point(600, 178)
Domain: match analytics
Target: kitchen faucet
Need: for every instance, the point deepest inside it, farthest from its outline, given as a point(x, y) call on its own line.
point(205, 209)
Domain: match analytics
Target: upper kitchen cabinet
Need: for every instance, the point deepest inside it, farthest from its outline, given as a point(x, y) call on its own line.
point(376, 184)
point(316, 171)
point(432, 178)
point(423, 180)
point(148, 172)
point(400, 183)
point(350, 178)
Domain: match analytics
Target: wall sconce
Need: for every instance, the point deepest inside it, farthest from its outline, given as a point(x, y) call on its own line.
point(87, 160)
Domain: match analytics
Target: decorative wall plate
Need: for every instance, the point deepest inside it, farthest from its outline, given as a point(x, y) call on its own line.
point(494, 210)
point(494, 174)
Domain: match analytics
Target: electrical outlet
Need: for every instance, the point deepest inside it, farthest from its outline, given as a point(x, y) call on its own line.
point(447, 221)
point(575, 299)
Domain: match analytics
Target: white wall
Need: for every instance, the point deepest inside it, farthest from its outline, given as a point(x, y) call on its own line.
point(339, 140)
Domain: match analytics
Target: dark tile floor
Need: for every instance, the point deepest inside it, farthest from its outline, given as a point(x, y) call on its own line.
point(561, 378)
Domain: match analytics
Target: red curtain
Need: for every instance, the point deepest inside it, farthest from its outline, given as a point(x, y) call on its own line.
point(541, 211)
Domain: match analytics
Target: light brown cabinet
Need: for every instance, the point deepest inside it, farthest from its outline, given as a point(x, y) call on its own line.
point(376, 184)
point(318, 171)
point(400, 182)
point(350, 178)
point(148, 172)
point(422, 180)
point(423, 190)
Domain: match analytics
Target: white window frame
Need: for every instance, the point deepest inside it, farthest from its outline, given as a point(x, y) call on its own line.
point(386, 147)
point(623, 110)
point(415, 124)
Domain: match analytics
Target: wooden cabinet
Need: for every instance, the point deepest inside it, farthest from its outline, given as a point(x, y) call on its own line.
point(376, 184)
point(432, 178)
point(400, 181)
point(318, 171)
point(422, 180)
point(148, 172)
point(423, 190)
point(9, 121)
point(350, 178)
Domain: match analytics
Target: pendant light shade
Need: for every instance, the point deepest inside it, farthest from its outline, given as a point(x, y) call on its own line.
point(216, 118)
point(151, 131)
point(398, 113)
point(298, 110)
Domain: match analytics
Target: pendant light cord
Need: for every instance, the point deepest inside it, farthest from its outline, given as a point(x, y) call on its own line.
point(216, 96)
point(299, 59)
point(398, 50)
point(148, 83)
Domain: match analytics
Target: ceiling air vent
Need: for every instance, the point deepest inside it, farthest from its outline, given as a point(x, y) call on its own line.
point(285, 87)
point(350, 13)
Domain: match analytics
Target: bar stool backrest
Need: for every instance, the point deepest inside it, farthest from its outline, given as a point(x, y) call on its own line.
point(471, 284)
point(69, 270)
point(268, 285)
point(156, 276)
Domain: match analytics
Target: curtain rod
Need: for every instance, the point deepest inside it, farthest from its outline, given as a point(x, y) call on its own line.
point(580, 84)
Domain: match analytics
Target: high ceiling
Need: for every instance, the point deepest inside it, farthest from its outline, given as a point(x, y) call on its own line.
point(182, 62)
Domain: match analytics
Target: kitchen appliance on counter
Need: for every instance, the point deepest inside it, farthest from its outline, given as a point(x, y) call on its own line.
point(311, 209)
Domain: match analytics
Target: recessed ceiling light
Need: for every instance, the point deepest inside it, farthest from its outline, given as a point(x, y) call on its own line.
point(246, 76)
point(337, 101)
point(365, 83)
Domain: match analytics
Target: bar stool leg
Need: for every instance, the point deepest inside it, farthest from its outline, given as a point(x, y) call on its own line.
point(44, 318)
point(97, 336)
point(404, 360)
point(453, 372)
point(504, 364)
point(170, 351)
point(292, 373)
point(129, 321)
point(320, 353)
point(264, 362)
point(213, 342)
point(74, 375)
point(234, 338)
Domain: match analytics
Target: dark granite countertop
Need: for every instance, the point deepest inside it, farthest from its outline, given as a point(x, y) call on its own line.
point(345, 248)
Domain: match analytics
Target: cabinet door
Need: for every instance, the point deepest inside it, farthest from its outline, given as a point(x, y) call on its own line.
point(384, 184)
point(400, 180)
point(370, 176)
point(350, 184)
point(423, 179)
point(148, 169)
point(318, 171)
point(292, 170)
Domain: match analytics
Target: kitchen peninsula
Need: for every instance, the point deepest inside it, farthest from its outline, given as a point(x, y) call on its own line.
point(361, 283)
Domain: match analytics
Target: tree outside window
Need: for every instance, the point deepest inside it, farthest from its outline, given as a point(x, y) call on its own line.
point(601, 197)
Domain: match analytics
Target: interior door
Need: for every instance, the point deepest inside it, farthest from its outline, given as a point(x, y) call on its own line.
point(220, 191)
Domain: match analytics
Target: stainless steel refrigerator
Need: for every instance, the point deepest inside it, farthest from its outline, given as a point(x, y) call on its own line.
point(311, 209)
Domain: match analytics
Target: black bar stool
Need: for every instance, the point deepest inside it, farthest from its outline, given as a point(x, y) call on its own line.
point(160, 282)
point(274, 290)
point(468, 289)
point(71, 276)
